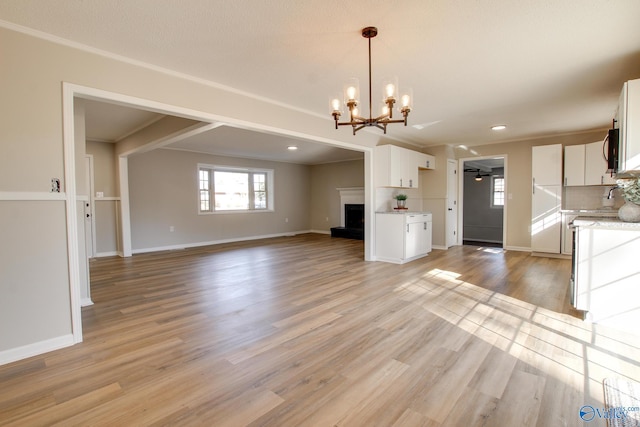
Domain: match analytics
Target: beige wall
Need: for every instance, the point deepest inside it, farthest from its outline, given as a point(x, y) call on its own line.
point(104, 167)
point(325, 198)
point(33, 273)
point(163, 192)
point(35, 277)
point(31, 133)
point(518, 179)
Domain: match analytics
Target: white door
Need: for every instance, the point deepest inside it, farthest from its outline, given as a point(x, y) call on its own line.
point(89, 229)
point(451, 221)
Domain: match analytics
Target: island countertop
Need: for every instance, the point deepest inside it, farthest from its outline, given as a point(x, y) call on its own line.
point(609, 223)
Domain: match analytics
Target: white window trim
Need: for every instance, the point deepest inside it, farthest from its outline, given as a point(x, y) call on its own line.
point(225, 168)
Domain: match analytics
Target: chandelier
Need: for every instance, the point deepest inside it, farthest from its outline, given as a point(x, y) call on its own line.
point(352, 92)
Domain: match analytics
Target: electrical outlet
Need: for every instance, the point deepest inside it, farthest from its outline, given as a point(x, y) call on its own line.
point(99, 194)
point(286, 220)
point(171, 229)
point(55, 185)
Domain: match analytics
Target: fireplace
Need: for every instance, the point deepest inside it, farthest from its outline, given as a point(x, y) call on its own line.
point(353, 222)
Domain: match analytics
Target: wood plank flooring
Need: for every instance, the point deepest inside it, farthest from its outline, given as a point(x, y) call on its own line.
point(300, 331)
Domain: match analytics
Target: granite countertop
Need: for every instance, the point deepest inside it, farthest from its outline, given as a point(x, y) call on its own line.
point(592, 212)
point(403, 212)
point(605, 223)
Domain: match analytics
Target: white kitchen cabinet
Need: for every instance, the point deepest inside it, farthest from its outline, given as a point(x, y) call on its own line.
point(425, 161)
point(595, 166)
point(398, 167)
point(566, 245)
point(606, 272)
point(628, 121)
point(546, 222)
point(546, 164)
point(574, 164)
point(546, 198)
point(403, 237)
point(584, 164)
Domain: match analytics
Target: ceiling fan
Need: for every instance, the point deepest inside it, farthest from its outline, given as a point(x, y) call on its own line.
point(478, 176)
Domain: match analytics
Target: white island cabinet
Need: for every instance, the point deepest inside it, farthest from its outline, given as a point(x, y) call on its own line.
point(607, 276)
point(402, 237)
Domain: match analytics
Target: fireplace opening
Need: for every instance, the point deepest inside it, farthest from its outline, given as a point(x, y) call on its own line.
point(354, 216)
point(353, 223)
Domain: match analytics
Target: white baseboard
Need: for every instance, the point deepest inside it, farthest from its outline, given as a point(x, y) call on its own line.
point(106, 254)
point(35, 349)
point(217, 242)
point(517, 248)
point(85, 302)
point(320, 231)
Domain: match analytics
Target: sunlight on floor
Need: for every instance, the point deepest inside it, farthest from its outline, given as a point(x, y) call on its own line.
point(574, 352)
point(490, 250)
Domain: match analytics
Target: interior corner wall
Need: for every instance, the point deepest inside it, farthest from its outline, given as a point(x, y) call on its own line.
point(325, 197)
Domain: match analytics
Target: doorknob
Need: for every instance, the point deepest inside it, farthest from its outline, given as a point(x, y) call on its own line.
point(450, 209)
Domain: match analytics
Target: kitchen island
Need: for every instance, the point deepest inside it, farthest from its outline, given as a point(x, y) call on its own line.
point(403, 236)
point(607, 271)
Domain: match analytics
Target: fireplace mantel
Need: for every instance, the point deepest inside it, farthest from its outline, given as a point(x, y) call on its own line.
point(349, 195)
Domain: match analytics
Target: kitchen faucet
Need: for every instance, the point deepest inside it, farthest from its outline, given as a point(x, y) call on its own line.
point(611, 192)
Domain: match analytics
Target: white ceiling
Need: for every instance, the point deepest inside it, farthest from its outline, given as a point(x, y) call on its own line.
point(542, 67)
point(106, 122)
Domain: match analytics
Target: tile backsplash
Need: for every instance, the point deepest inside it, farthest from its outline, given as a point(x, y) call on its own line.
point(590, 197)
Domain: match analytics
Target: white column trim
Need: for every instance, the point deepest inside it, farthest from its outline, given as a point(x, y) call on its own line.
point(71, 211)
point(125, 217)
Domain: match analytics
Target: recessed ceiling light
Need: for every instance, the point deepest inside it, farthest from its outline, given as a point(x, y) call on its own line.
point(498, 127)
point(292, 148)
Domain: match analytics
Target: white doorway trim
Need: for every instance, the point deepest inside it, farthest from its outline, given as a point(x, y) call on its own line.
point(70, 91)
point(69, 154)
point(461, 195)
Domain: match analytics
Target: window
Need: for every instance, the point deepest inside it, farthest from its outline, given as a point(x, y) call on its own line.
point(497, 191)
point(228, 189)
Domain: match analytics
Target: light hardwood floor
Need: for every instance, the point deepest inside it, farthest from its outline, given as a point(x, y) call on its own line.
point(300, 331)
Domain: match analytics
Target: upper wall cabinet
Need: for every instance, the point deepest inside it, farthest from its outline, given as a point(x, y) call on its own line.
point(595, 166)
point(425, 161)
point(546, 166)
point(585, 164)
point(574, 165)
point(398, 167)
point(628, 120)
